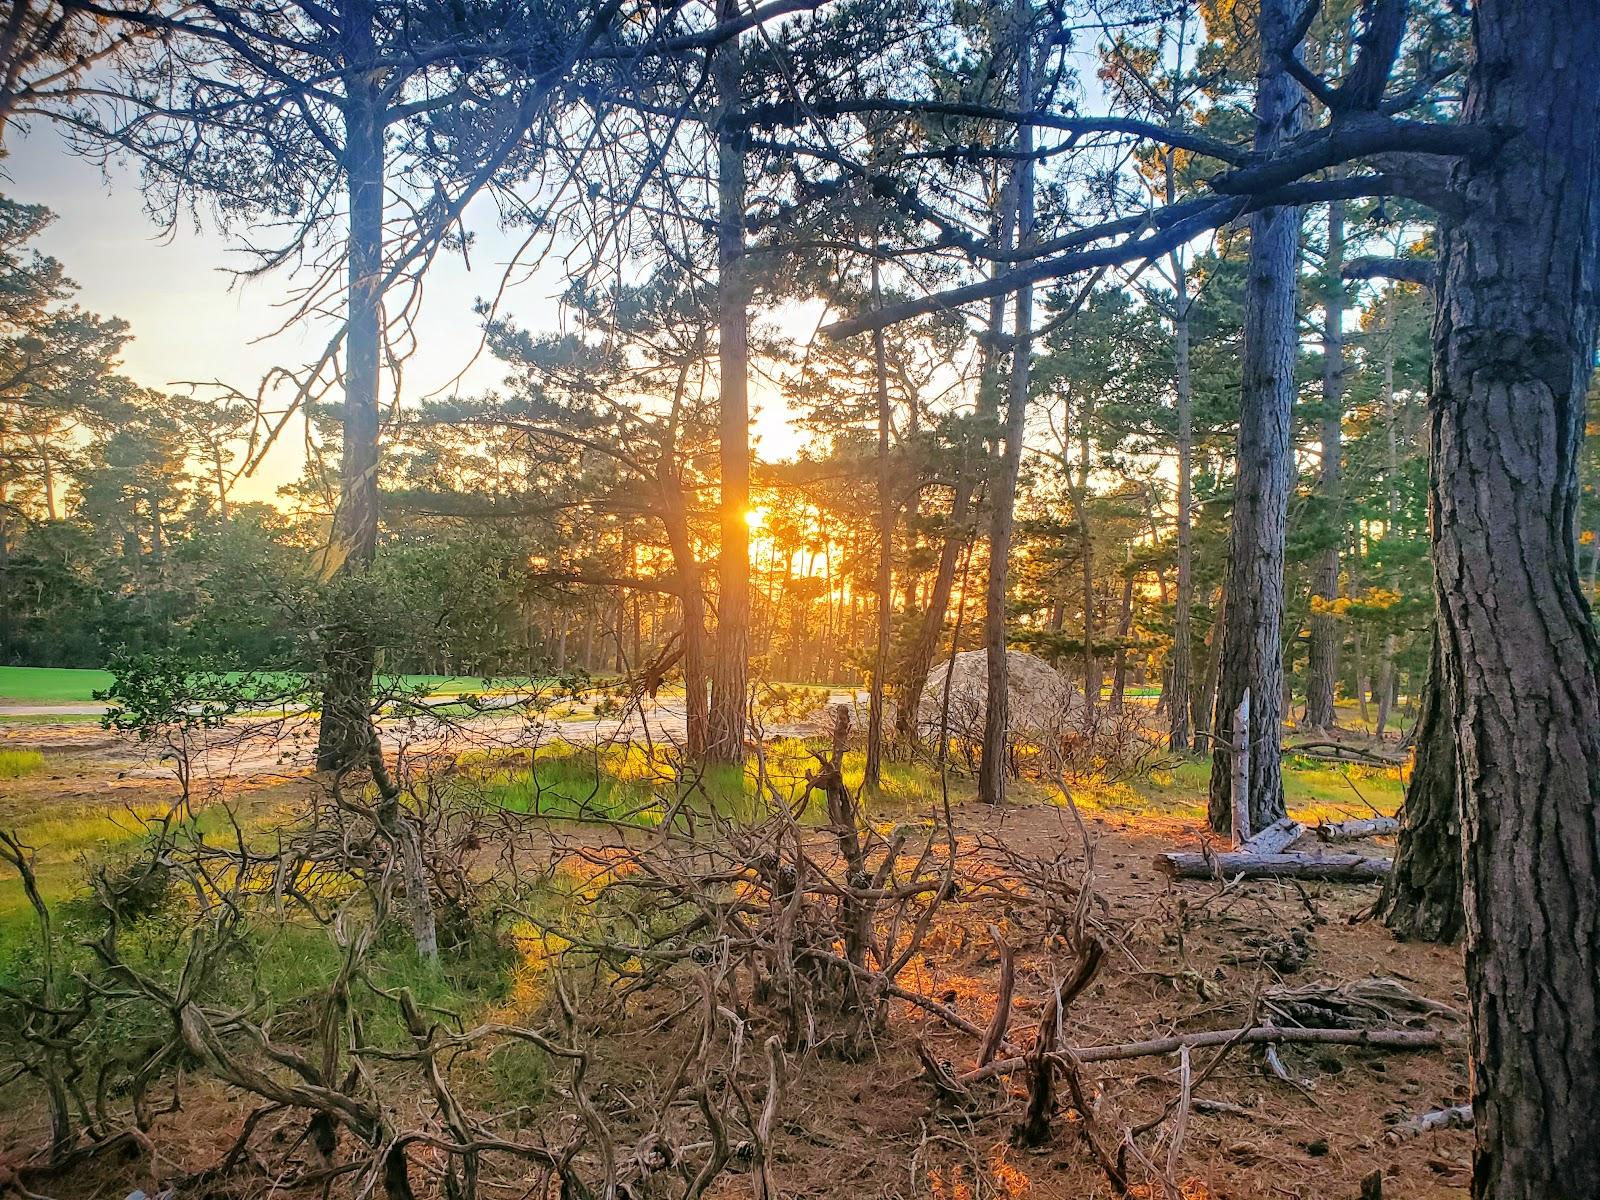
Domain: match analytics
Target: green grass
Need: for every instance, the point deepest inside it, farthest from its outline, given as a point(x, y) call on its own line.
point(71, 685)
point(629, 785)
point(49, 718)
point(51, 685)
point(1313, 791)
point(14, 764)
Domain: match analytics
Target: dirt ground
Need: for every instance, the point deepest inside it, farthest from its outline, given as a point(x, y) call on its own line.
point(1180, 957)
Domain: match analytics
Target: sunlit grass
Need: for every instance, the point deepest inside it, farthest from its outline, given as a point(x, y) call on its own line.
point(14, 764)
point(72, 685)
point(1313, 790)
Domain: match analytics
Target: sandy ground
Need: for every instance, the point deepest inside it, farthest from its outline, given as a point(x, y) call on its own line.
point(248, 747)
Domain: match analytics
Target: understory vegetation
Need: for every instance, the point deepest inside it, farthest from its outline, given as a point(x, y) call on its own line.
point(434, 979)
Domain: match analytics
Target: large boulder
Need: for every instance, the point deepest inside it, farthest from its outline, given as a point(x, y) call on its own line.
point(1041, 704)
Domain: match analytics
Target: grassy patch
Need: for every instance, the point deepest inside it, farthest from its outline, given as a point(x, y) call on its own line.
point(49, 718)
point(14, 764)
point(70, 685)
point(1313, 791)
point(634, 785)
point(51, 685)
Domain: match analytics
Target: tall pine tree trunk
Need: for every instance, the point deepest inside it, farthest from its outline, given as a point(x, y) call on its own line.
point(1179, 685)
point(1180, 729)
point(1205, 697)
point(692, 601)
point(919, 658)
point(1119, 662)
point(349, 656)
point(1251, 653)
point(1080, 504)
point(1386, 671)
point(1514, 342)
point(1003, 489)
point(886, 523)
point(1323, 664)
point(731, 667)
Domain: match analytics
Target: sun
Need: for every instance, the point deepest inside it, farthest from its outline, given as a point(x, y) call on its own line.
point(755, 517)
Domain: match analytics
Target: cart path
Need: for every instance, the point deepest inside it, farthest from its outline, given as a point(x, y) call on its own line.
point(256, 746)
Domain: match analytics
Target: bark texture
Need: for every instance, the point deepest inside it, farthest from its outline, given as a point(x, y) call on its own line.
point(1251, 653)
point(1514, 338)
point(1421, 899)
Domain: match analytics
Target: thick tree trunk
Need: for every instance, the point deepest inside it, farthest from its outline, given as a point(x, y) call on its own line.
point(730, 671)
point(1323, 664)
point(1514, 342)
point(1251, 653)
point(349, 657)
point(1003, 488)
point(1421, 899)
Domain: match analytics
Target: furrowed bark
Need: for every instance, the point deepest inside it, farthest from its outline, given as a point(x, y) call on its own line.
point(1251, 654)
point(1421, 899)
point(1514, 339)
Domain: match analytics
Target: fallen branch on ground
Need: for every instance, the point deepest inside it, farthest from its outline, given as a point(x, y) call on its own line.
point(1357, 1004)
point(1456, 1117)
point(1274, 839)
point(1348, 868)
point(1356, 829)
point(1035, 1127)
point(1344, 752)
point(1385, 1039)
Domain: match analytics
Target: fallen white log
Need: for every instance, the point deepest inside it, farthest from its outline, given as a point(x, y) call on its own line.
point(1358, 828)
point(1348, 868)
point(1274, 839)
point(1458, 1116)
